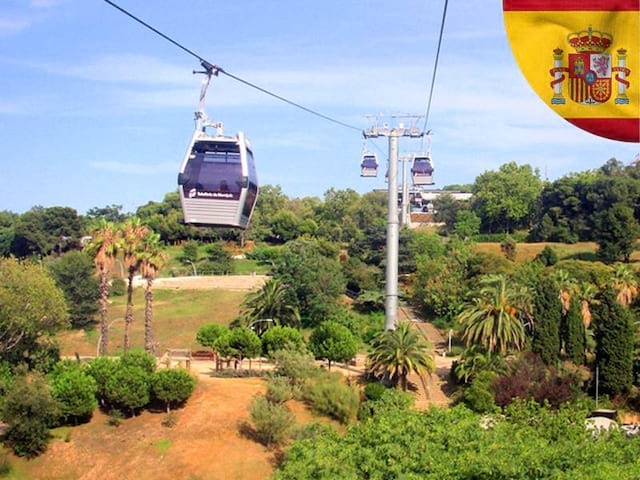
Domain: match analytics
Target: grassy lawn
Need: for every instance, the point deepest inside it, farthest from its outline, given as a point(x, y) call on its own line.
point(528, 251)
point(242, 266)
point(177, 314)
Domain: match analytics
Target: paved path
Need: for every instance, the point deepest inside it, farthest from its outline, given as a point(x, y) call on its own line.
point(224, 282)
point(437, 384)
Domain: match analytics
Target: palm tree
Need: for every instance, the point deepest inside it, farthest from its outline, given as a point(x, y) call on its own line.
point(586, 293)
point(567, 287)
point(494, 317)
point(397, 353)
point(131, 245)
point(272, 301)
point(625, 283)
point(152, 259)
point(104, 249)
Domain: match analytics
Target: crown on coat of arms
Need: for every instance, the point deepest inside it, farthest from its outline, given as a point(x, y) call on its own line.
point(590, 41)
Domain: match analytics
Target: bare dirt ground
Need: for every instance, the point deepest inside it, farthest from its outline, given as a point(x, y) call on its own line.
point(206, 443)
point(224, 282)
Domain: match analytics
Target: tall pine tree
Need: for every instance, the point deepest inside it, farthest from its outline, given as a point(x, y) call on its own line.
point(573, 334)
point(614, 337)
point(547, 312)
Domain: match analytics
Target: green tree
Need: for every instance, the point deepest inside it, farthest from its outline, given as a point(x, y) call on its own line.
point(239, 343)
point(218, 260)
point(333, 342)
point(547, 312)
point(104, 250)
point(616, 231)
point(139, 358)
point(29, 410)
point(102, 369)
point(172, 386)
point(272, 301)
point(74, 275)
point(397, 353)
point(110, 213)
point(189, 253)
point(493, 318)
point(152, 259)
point(75, 391)
point(32, 309)
point(505, 200)
point(509, 248)
point(280, 338)
point(573, 333)
point(7, 231)
point(467, 224)
point(131, 245)
point(447, 209)
point(614, 338)
point(209, 333)
point(42, 231)
point(128, 387)
point(315, 279)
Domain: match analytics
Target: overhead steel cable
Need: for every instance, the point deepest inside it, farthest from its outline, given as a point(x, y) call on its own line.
point(435, 66)
point(217, 69)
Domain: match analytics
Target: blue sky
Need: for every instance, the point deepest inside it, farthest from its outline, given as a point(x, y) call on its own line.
point(96, 110)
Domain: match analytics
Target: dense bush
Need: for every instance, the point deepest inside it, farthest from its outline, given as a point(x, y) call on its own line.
point(279, 390)
point(530, 442)
point(530, 378)
point(6, 378)
point(118, 287)
point(479, 395)
point(296, 366)
point(128, 387)
point(75, 391)
point(333, 399)
point(374, 391)
point(547, 256)
point(547, 312)
point(139, 358)
point(271, 422)
point(29, 411)
point(172, 386)
point(102, 369)
point(278, 338)
point(208, 334)
point(391, 399)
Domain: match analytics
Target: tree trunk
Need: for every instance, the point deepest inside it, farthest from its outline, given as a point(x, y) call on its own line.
point(104, 326)
point(128, 316)
point(148, 317)
point(329, 364)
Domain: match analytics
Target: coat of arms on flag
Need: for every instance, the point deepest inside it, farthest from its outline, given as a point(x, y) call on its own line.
point(591, 50)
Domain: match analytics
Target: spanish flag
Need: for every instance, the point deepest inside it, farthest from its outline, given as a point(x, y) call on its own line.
point(582, 57)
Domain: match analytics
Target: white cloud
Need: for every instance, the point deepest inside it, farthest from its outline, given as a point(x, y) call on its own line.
point(134, 168)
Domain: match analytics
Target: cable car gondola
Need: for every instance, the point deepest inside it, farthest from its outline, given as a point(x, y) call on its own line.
point(369, 165)
point(217, 182)
point(422, 169)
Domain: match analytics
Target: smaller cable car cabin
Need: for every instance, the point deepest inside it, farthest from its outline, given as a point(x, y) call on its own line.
point(369, 165)
point(422, 169)
point(217, 181)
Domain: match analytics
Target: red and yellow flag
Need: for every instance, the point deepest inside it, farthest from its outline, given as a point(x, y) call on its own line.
point(582, 57)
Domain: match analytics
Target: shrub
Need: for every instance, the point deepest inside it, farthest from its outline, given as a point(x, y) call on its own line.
point(374, 391)
point(189, 252)
point(279, 390)
point(102, 369)
point(508, 247)
point(296, 366)
point(172, 386)
point(271, 422)
point(479, 395)
point(333, 399)
point(6, 378)
point(391, 399)
point(29, 410)
point(75, 391)
point(139, 358)
point(280, 338)
point(115, 418)
point(118, 287)
point(128, 387)
point(547, 256)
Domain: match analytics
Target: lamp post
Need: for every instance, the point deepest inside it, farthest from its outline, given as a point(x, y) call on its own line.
point(195, 272)
point(266, 320)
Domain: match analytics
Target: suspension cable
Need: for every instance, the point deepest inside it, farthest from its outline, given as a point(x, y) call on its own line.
point(435, 67)
point(212, 67)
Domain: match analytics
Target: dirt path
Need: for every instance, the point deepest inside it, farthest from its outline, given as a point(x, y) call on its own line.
point(438, 384)
point(224, 282)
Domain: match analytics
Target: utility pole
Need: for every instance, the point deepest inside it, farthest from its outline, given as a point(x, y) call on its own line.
point(393, 232)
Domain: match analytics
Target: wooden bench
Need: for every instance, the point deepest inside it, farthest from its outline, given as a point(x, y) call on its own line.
point(203, 355)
